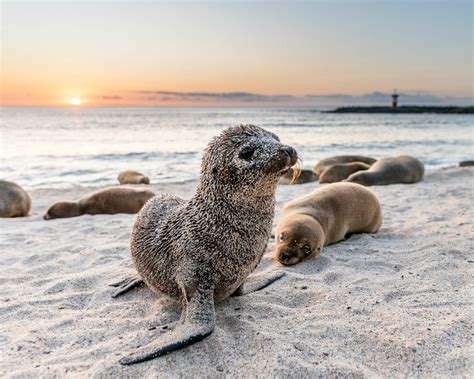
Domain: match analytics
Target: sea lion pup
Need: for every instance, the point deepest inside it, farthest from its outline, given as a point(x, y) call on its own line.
point(202, 250)
point(341, 171)
point(110, 200)
point(323, 164)
point(322, 217)
point(133, 177)
point(402, 169)
point(14, 200)
point(305, 176)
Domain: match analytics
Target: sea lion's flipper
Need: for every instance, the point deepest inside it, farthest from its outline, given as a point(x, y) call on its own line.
point(126, 285)
point(257, 282)
point(199, 322)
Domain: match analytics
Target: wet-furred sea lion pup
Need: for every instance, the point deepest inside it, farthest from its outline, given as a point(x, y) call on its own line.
point(323, 217)
point(323, 164)
point(110, 200)
point(14, 200)
point(133, 177)
point(402, 169)
point(341, 171)
point(203, 250)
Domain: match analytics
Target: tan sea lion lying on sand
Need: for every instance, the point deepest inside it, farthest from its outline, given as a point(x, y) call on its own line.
point(393, 170)
point(105, 201)
point(133, 177)
point(14, 200)
point(341, 171)
point(323, 164)
point(322, 217)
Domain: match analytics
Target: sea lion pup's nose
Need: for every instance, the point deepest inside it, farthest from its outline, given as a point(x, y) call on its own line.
point(290, 151)
point(283, 257)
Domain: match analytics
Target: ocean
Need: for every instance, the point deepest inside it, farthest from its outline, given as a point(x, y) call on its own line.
point(63, 147)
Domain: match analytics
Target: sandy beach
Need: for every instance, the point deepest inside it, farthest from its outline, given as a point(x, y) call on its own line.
point(394, 304)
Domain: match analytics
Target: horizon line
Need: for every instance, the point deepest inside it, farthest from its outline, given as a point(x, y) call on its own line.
point(166, 98)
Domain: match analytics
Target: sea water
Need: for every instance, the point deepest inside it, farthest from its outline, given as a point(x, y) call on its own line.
point(64, 147)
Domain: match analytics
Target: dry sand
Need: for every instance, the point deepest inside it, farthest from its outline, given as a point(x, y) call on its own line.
point(394, 304)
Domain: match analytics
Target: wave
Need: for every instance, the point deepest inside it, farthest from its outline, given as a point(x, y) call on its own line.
point(137, 155)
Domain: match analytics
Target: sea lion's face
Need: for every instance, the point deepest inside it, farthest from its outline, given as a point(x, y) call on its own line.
point(62, 209)
point(294, 245)
point(246, 156)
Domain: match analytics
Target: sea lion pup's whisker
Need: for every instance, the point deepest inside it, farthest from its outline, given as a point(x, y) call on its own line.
point(296, 168)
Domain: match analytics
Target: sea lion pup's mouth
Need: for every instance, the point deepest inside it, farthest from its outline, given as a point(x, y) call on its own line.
point(285, 258)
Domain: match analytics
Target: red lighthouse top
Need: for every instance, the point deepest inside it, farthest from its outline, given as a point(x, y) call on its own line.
point(395, 100)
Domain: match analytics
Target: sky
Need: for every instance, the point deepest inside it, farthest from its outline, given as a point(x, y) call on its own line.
point(189, 53)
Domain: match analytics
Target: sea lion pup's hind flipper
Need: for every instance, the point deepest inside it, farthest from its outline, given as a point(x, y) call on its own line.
point(256, 282)
point(126, 285)
point(199, 322)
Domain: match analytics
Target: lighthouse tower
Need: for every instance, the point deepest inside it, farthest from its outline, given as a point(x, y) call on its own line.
point(395, 100)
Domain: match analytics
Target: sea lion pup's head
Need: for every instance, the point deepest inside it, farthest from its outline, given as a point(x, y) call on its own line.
point(298, 238)
point(245, 159)
point(62, 209)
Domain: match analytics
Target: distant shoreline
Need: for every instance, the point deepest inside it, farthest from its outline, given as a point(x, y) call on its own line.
point(405, 109)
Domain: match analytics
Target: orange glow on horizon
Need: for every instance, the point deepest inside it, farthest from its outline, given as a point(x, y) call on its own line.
point(133, 54)
point(75, 101)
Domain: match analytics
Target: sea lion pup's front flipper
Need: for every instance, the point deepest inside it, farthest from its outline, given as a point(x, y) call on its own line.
point(199, 321)
point(125, 285)
point(256, 282)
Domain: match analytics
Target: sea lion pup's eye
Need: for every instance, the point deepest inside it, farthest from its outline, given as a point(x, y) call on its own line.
point(306, 250)
point(246, 153)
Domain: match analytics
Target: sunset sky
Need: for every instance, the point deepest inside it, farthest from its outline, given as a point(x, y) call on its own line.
point(172, 53)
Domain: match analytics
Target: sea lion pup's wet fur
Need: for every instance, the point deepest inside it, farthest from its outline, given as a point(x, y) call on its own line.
point(14, 200)
point(133, 177)
point(110, 200)
point(402, 169)
point(323, 164)
point(323, 217)
point(341, 171)
point(202, 250)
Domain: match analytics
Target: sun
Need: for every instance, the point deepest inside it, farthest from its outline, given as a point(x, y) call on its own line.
point(75, 101)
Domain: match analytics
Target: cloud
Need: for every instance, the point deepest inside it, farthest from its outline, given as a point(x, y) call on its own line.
point(309, 100)
point(111, 97)
point(218, 97)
